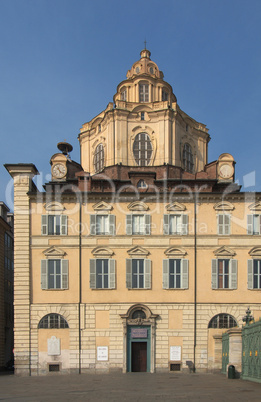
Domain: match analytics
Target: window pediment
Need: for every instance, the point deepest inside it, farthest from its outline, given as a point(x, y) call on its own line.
point(54, 252)
point(102, 252)
point(138, 251)
point(174, 252)
point(54, 206)
point(224, 252)
point(255, 252)
point(224, 206)
point(138, 206)
point(176, 207)
point(102, 206)
point(255, 207)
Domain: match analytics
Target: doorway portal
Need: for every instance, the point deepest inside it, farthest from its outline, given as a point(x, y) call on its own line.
point(139, 356)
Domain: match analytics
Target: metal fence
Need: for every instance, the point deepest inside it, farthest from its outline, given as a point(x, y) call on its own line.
point(251, 352)
point(225, 352)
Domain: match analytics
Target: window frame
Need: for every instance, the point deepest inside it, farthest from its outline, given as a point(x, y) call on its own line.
point(146, 280)
point(251, 274)
point(94, 225)
point(146, 225)
point(99, 158)
point(142, 149)
point(251, 225)
point(45, 225)
point(187, 158)
point(46, 275)
point(144, 92)
point(184, 274)
point(217, 319)
point(94, 273)
point(57, 318)
point(223, 227)
point(217, 276)
point(182, 226)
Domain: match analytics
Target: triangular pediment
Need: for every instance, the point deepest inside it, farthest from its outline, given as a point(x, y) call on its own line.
point(138, 251)
point(175, 206)
point(54, 206)
point(54, 251)
point(102, 206)
point(255, 252)
point(224, 206)
point(102, 252)
point(224, 252)
point(256, 206)
point(175, 252)
point(138, 206)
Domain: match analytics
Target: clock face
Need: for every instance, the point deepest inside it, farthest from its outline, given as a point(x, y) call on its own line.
point(226, 171)
point(59, 170)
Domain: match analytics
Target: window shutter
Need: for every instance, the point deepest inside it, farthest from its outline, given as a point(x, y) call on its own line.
point(92, 273)
point(259, 223)
point(165, 274)
point(250, 274)
point(147, 274)
point(233, 274)
point(129, 224)
point(44, 225)
point(185, 273)
point(220, 224)
point(249, 224)
point(64, 225)
point(64, 270)
point(184, 224)
point(165, 224)
point(44, 270)
point(128, 273)
point(147, 224)
point(112, 225)
point(92, 225)
point(214, 276)
point(111, 274)
point(227, 224)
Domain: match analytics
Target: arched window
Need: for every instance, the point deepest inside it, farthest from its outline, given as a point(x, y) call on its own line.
point(188, 158)
point(98, 158)
point(142, 149)
point(222, 321)
point(141, 184)
point(50, 321)
point(138, 314)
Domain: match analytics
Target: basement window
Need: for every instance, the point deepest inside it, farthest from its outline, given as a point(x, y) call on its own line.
point(174, 367)
point(54, 367)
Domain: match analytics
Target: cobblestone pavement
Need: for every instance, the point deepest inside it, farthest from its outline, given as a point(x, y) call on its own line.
point(128, 387)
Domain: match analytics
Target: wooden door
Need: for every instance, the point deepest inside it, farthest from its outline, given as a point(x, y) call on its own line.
point(139, 356)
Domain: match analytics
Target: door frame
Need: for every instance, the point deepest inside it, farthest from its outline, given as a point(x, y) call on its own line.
point(130, 342)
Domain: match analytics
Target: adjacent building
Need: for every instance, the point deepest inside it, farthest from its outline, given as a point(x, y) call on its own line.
point(139, 257)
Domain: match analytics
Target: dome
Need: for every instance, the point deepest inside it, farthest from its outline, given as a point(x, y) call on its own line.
point(145, 66)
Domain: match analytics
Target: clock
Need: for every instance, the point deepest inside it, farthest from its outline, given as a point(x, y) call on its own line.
point(59, 170)
point(226, 171)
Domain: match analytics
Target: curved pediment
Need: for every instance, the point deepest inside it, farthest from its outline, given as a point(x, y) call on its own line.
point(55, 252)
point(175, 206)
point(255, 252)
point(138, 251)
point(224, 252)
point(102, 206)
point(175, 252)
point(102, 252)
point(138, 206)
point(224, 206)
point(54, 206)
point(256, 206)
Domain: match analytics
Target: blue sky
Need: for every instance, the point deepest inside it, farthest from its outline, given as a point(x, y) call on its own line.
point(61, 61)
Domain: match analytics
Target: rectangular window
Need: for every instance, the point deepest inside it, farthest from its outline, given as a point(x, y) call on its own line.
point(142, 116)
point(124, 95)
point(224, 274)
point(54, 274)
point(102, 225)
point(138, 274)
point(102, 273)
point(253, 224)
point(223, 224)
point(254, 274)
point(165, 95)
point(175, 274)
point(138, 224)
point(175, 224)
point(144, 92)
point(54, 225)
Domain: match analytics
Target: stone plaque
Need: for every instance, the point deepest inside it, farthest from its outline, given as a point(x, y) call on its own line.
point(102, 353)
point(139, 332)
point(54, 346)
point(175, 353)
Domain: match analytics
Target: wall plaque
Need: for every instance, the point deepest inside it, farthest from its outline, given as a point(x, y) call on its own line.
point(102, 353)
point(139, 332)
point(175, 353)
point(54, 346)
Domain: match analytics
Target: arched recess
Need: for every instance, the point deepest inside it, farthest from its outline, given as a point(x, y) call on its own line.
point(139, 324)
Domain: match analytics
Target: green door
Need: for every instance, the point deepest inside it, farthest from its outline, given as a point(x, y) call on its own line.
point(138, 348)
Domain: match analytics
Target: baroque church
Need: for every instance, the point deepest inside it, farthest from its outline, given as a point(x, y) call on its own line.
point(141, 256)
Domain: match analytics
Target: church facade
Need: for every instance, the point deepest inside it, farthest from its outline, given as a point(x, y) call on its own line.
point(140, 257)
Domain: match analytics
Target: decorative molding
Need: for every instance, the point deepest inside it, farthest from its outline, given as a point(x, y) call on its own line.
point(175, 206)
point(256, 206)
point(255, 252)
point(224, 252)
point(138, 251)
point(138, 206)
point(54, 252)
point(104, 252)
point(224, 206)
point(102, 206)
point(54, 206)
point(175, 252)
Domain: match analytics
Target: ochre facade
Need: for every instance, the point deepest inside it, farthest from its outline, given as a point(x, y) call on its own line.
point(140, 257)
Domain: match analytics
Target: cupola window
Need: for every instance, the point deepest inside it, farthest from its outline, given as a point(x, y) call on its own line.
point(98, 158)
point(188, 158)
point(142, 116)
point(144, 92)
point(142, 149)
point(124, 95)
point(137, 70)
point(151, 70)
point(165, 95)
